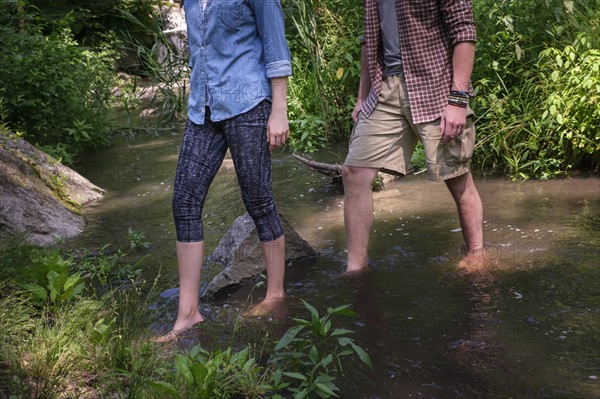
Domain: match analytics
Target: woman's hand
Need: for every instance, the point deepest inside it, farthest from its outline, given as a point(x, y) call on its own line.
point(278, 129)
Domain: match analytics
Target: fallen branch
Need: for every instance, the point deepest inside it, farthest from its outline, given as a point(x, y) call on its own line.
point(328, 169)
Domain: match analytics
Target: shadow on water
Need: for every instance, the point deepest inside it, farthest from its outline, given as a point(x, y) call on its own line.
point(526, 327)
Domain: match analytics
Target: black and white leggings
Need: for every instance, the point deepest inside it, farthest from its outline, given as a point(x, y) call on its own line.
point(202, 152)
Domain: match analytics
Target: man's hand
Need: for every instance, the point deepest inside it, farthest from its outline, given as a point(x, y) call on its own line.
point(356, 110)
point(454, 120)
point(278, 129)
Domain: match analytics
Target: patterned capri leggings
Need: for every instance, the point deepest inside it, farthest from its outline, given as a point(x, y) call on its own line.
point(202, 152)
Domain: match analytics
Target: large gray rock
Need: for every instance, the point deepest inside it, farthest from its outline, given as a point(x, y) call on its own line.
point(39, 196)
point(239, 250)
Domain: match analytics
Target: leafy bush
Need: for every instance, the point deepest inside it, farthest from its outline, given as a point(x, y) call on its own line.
point(216, 375)
point(53, 90)
point(51, 282)
point(536, 78)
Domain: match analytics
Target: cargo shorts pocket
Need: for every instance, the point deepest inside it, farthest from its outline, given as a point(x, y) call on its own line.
point(460, 150)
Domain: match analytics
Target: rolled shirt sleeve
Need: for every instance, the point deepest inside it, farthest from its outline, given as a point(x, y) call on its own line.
point(458, 18)
point(269, 20)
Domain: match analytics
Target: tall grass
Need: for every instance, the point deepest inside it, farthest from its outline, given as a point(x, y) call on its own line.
point(325, 46)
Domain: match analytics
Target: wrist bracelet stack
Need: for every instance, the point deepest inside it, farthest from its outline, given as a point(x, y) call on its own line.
point(458, 98)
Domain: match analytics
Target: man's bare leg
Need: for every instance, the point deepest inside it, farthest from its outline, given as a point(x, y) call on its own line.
point(274, 256)
point(470, 213)
point(190, 256)
point(358, 214)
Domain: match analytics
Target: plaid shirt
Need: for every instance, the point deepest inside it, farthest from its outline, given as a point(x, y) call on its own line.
point(429, 30)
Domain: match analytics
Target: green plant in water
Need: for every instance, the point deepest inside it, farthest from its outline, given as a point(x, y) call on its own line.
point(137, 240)
point(309, 355)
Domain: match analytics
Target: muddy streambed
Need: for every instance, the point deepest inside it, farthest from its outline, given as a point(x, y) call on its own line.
point(528, 328)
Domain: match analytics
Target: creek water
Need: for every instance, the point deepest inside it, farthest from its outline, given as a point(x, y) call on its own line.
point(528, 328)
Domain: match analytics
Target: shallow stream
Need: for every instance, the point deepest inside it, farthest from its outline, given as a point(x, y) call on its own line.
point(528, 329)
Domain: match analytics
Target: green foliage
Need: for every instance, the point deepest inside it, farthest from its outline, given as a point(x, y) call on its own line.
point(325, 45)
point(537, 82)
point(137, 240)
point(571, 83)
point(70, 338)
point(105, 268)
point(51, 282)
point(54, 90)
point(309, 355)
point(216, 375)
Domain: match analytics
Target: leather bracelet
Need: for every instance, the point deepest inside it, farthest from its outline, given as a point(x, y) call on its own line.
point(461, 104)
point(460, 94)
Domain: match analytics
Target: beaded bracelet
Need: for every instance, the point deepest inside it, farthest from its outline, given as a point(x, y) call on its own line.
point(458, 98)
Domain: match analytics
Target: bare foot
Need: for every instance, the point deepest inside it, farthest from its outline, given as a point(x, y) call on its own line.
point(174, 334)
point(182, 325)
point(276, 307)
point(358, 272)
point(476, 261)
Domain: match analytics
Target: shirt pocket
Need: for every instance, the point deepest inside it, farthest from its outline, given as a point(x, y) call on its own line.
point(230, 14)
point(424, 10)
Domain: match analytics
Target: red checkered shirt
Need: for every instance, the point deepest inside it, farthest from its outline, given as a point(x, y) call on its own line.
point(429, 30)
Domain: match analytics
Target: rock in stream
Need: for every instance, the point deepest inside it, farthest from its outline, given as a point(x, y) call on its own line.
point(239, 250)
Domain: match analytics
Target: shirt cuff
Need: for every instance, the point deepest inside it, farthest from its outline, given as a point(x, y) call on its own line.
point(468, 35)
point(278, 69)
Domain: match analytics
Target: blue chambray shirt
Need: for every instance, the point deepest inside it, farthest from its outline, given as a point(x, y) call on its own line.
point(235, 46)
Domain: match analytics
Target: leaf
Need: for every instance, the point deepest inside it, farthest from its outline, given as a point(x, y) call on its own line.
point(519, 51)
point(165, 388)
point(182, 364)
point(364, 356)
point(301, 394)
point(313, 354)
point(296, 376)
point(343, 310)
point(327, 326)
point(324, 378)
point(72, 280)
point(199, 372)
point(325, 389)
point(340, 73)
point(327, 360)
point(337, 309)
point(36, 290)
point(288, 337)
point(341, 331)
point(313, 312)
point(195, 351)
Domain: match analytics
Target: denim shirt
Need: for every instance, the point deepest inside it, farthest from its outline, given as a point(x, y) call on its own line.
point(236, 47)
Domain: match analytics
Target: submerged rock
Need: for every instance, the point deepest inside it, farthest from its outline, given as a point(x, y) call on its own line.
point(40, 197)
point(239, 250)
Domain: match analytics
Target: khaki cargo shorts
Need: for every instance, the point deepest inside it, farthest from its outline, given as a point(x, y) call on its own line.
point(387, 139)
